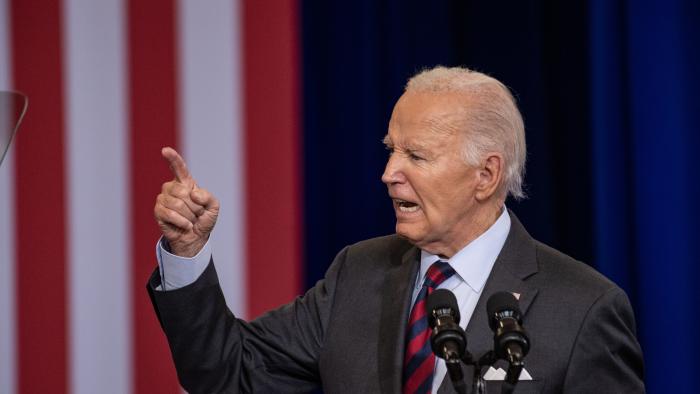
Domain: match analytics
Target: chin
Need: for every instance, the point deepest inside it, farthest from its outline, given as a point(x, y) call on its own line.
point(409, 233)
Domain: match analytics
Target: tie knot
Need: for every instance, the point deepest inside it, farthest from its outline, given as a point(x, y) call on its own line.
point(439, 272)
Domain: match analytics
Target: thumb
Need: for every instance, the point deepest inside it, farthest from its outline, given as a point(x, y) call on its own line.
point(204, 198)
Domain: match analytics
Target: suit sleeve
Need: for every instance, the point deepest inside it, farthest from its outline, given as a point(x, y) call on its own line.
point(606, 357)
point(214, 352)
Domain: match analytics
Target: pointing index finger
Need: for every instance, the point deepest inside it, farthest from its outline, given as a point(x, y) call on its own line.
point(177, 166)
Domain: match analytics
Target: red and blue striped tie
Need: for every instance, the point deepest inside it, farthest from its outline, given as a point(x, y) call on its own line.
point(419, 360)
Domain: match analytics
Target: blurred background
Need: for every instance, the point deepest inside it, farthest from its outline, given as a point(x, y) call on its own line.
point(280, 107)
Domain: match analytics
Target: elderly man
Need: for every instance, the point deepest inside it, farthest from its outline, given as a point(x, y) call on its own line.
point(457, 148)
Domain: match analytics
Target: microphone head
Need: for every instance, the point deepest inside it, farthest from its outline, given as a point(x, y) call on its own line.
point(443, 300)
point(502, 304)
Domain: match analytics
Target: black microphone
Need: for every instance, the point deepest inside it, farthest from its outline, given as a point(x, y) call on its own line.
point(510, 341)
point(447, 339)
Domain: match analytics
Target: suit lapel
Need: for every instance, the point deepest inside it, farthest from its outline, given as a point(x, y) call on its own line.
point(398, 283)
point(516, 262)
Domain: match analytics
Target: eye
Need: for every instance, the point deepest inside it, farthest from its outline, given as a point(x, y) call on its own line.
point(389, 149)
point(415, 157)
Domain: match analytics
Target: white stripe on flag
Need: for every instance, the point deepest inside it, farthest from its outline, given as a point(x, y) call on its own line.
point(211, 126)
point(7, 231)
point(98, 249)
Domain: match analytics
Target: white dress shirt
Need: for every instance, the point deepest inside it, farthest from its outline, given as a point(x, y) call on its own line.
point(472, 265)
point(177, 271)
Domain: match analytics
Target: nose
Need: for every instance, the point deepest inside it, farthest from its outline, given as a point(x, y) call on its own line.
point(392, 172)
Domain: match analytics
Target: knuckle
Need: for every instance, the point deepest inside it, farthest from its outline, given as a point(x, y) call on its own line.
point(181, 207)
point(166, 187)
point(179, 191)
point(173, 216)
point(159, 212)
point(215, 202)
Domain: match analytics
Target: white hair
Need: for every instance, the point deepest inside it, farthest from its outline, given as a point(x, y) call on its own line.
point(494, 122)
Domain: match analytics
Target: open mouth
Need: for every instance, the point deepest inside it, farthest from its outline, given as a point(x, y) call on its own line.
point(406, 206)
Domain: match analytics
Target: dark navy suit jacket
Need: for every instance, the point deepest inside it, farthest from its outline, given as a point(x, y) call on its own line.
point(346, 334)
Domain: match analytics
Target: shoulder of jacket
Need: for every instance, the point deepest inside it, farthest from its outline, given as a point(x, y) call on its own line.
point(570, 273)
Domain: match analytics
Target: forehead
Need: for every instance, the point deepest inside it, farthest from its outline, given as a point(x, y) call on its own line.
point(428, 117)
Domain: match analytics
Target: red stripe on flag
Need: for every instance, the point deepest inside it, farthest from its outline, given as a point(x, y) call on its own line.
point(153, 108)
point(40, 211)
point(273, 179)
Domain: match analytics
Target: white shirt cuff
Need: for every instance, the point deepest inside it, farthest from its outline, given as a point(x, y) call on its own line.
point(177, 271)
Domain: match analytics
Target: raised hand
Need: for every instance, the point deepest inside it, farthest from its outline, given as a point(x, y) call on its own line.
point(185, 213)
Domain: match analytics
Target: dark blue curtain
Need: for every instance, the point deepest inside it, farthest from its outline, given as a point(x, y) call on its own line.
point(357, 57)
point(608, 92)
point(645, 58)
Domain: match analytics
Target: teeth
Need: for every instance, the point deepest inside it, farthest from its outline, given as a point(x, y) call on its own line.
point(404, 208)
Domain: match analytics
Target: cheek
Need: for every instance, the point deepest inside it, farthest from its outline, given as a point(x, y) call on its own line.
point(442, 191)
point(450, 203)
point(438, 208)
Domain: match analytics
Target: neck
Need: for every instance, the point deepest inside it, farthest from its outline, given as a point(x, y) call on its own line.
point(482, 220)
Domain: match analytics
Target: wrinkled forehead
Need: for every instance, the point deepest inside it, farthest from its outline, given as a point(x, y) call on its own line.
point(440, 114)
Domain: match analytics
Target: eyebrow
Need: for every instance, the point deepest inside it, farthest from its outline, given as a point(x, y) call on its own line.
point(412, 147)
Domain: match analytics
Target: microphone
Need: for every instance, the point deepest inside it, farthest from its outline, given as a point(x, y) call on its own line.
point(447, 339)
point(510, 341)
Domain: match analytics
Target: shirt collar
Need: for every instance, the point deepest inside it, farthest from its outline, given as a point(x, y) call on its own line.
point(473, 263)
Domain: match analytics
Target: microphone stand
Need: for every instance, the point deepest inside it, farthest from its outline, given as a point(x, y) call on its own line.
point(478, 384)
point(488, 359)
point(515, 367)
point(454, 369)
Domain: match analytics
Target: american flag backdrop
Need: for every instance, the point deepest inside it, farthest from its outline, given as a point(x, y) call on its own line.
point(109, 83)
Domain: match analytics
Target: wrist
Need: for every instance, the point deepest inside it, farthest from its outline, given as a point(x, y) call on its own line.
point(185, 249)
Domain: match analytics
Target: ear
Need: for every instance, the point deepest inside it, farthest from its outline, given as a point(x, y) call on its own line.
point(490, 176)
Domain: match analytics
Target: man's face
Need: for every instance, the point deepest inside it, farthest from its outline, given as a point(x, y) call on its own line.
point(431, 186)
